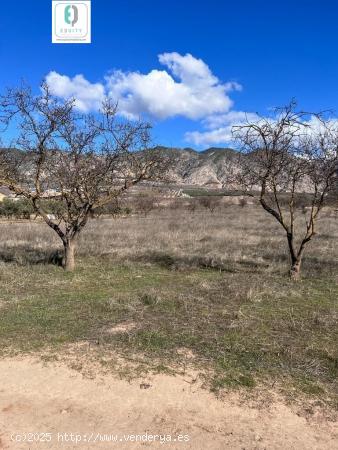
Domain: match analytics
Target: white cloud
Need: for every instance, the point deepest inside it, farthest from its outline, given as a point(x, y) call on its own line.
point(88, 96)
point(219, 128)
point(230, 118)
point(213, 137)
point(187, 88)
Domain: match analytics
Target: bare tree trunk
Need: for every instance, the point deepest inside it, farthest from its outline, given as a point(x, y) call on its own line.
point(68, 262)
point(295, 269)
point(296, 258)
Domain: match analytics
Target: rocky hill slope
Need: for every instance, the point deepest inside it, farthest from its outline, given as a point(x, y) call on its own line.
point(209, 168)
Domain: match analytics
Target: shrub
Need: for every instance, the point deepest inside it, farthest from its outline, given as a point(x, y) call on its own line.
point(16, 209)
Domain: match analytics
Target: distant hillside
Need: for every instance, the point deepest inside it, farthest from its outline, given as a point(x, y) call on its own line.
point(209, 167)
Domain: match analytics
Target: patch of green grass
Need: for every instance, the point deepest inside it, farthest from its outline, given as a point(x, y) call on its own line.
point(239, 326)
point(149, 299)
point(310, 387)
point(232, 381)
point(196, 192)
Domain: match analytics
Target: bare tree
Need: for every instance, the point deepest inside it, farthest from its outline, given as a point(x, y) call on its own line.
point(81, 162)
point(288, 153)
point(145, 203)
point(210, 202)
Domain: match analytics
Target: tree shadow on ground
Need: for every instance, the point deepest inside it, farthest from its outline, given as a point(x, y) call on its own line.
point(24, 255)
point(175, 262)
point(29, 255)
point(279, 263)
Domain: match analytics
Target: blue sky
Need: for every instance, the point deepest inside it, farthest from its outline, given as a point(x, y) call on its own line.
point(219, 60)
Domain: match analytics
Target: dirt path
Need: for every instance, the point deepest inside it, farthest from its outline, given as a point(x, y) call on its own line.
point(54, 399)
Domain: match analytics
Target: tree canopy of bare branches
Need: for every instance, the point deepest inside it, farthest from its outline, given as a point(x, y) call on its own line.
point(79, 161)
point(281, 156)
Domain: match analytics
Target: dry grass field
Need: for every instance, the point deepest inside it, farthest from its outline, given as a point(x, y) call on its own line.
point(179, 287)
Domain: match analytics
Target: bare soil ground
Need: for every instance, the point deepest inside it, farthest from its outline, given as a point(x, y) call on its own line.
point(40, 398)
